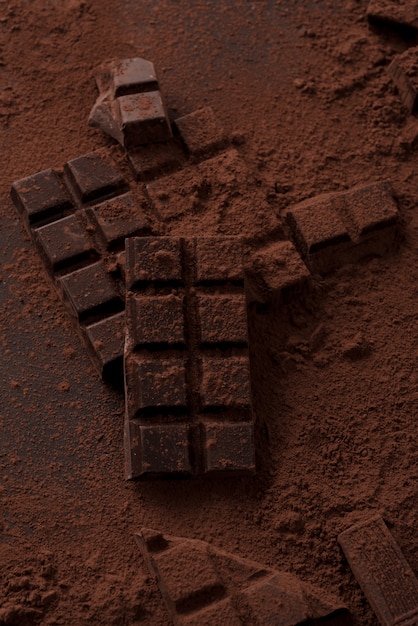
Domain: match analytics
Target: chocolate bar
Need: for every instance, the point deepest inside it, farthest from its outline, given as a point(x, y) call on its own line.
point(187, 378)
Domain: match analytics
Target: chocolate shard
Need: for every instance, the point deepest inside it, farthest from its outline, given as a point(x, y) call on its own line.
point(201, 132)
point(126, 76)
point(337, 228)
point(380, 568)
point(204, 585)
point(187, 376)
point(404, 72)
point(79, 222)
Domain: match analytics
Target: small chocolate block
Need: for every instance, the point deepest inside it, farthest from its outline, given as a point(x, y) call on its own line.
point(40, 198)
point(93, 177)
point(158, 320)
point(143, 118)
point(372, 207)
point(159, 383)
point(64, 242)
point(223, 319)
point(316, 223)
point(274, 272)
point(90, 291)
point(404, 73)
point(106, 338)
point(219, 259)
point(153, 259)
point(158, 449)
point(133, 76)
point(397, 13)
point(380, 568)
point(119, 217)
point(157, 159)
point(186, 593)
point(228, 446)
point(201, 132)
point(225, 382)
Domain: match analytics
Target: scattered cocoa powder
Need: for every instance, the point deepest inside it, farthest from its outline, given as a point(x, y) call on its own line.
point(303, 92)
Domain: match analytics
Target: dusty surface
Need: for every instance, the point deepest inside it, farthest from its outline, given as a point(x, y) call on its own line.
point(303, 88)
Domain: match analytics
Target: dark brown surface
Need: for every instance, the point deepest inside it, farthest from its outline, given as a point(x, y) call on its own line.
point(404, 72)
point(380, 568)
point(395, 13)
point(143, 118)
point(205, 586)
point(188, 399)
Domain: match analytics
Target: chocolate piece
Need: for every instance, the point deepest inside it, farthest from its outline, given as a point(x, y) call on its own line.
point(130, 106)
point(40, 198)
point(81, 247)
point(205, 586)
point(143, 118)
point(119, 217)
point(337, 228)
point(404, 72)
point(93, 177)
point(186, 355)
point(201, 132)
point(90, 291)
point(64, 242)
point(380, 568)
point(275, 272)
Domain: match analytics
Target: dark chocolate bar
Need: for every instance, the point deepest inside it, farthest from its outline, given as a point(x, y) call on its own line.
point(187, 378)
point(79, 221)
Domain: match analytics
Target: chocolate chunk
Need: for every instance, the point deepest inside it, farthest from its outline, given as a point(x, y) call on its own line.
point(143, 118)
point(205, 586)
point(119, 217)
point(93, 177)
point(379, 566)
point(105, 339)
point(201, 132)
point(157, 159)
point(90, 291)
point(337, 228)
point(40, 198)
point(186, 353)
point(64, 242)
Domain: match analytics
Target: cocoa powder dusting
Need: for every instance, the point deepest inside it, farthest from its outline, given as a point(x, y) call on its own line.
point(303, 93)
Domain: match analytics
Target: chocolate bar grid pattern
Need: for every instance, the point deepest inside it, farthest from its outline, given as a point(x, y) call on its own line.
point(188, 400)
point(78, 220)
point(378, 564)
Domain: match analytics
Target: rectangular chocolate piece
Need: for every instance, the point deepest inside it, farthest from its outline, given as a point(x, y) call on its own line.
point(79, 222)
point(201, 132)
point(380, 568)
point(187, 376)
point(337, 228)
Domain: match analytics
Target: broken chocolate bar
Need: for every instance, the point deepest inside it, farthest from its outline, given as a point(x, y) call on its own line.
point(205, 586)
point(130, 106)
point(337, 228)
point(79, 221)
point(188, 398)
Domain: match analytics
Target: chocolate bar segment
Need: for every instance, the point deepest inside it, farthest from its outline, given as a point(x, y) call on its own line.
point(186, 351)
point(40, 198)
point(133, 76)
point(143, 118)
point(93, 177)
point(64, 242)
point(404, 72)
point(379, 566)
point(105, 340)
point(201, 132)
point(119, 217)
